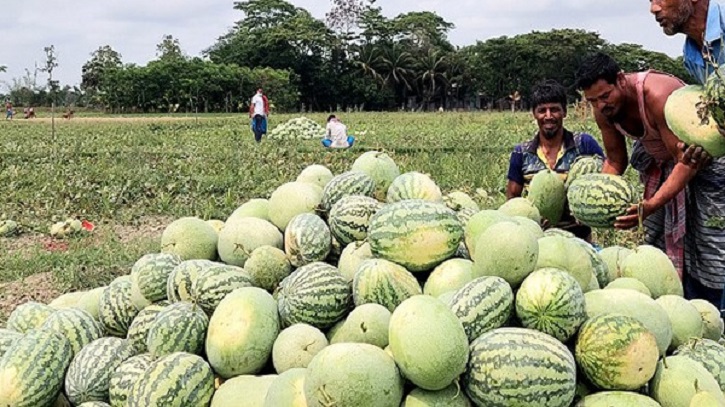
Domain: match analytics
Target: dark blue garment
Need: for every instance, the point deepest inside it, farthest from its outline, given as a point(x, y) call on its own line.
point(259, 127)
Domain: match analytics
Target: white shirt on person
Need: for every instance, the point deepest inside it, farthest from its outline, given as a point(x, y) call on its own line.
point(258, 103)
point(337, 132)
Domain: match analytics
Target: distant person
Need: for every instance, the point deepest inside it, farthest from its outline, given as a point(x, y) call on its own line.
point(336, 134)
point(8, 110)
point(553, 147)
point(31, 113)
point(258, 112)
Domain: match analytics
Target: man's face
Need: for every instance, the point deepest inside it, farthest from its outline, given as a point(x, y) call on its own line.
point(672, 14)
point(550, 118)
point(606, 98)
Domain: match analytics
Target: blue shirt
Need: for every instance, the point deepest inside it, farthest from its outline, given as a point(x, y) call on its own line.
point(525, 161)
point(714, 31)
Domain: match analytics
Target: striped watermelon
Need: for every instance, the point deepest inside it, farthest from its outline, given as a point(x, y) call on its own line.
point(180, 327)
point(414, 185)
point(383, 282)
point(465, 214)
point(181, 279)
point(307, 239)
point(709, 354)
point(520, 367)
point(267, 267)
point(315, 294)
point(296, 346)
point(31, 371)
point(585, 164)
point(416, 234)
point(242, 332)
point(176, 380)
point(547, 192)
point(7, 339)
point(380, 167)
point(149, 276)
point(116, 309)
point(598, 199)
point(349, 218)
point(76, 325)
point(348, 183)
point(213, 283)
point(482, 305)
point(139, 329)
point(616, 352)
point(428, 342)
point(241, 236)
point(27, 316)
point(125, 376)
point(551, 301)
point(89, 375)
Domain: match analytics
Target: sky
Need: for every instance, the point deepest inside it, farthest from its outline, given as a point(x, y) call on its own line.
point(134, 27)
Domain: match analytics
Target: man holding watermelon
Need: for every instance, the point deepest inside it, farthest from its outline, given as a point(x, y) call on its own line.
point(552, 147)
point(633, 105)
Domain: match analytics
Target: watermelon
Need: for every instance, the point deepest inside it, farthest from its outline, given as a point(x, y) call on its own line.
point(267, 267)
point(684, 317)
point(176, 380)
point(597, 200)
point(182, 278)
point(292, 199)
point(633, 304)
point(27, 316)
point(448, 276)
point(352, 257)
point(708, 353)
point(254, 208)
point(482, 305)
point(67, 300)
point(345, 184)
point(180, 327)
point(506, 250)
point(617, 399)
point(125, 376)
point(241, 236)
point(416, 186)
point(139, 329)
point(415, 234)
point(31, 371)
point(451, 396)
point(551, 301)
point(296, 346)
point(616, 352)
point(521, 207)
point(380, 167)
point(601, 270)
point(241, 332)
point(190, 238)
point(548, 194)
point(567, 255)
point(315, 294)
point(287, 389)
point(430, 358)
point(316, 174)
point(651, 266)
point(677, 380)
point(614, 258)
point(377, 382)
point(528, 224)
point(712, 323)
point(478, 224)
point(520, 367)
point(383, 282)
point(89, 375)
point(630, 284)
point(690, 123)
point(149, 277)
point(253, 388)
point(91, 301)
point(307, 239)
point(367, 323)
point(116, 309)
point(213, 283)
point(350, 218)
point(459, 201)
point(7, 339)
point(76, 325)
point(584, 164)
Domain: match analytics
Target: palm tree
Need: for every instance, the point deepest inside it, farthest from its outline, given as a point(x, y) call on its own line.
point(397, 65)
point(432, 69)
point(368, 60)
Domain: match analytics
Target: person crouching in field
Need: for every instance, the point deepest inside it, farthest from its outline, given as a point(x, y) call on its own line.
point(258, 112)
point(553, 147)
point(336, 136)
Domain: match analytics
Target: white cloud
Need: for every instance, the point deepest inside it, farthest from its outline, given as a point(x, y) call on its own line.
point(134, 27)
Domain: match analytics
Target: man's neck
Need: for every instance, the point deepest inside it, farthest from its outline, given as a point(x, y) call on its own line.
point(695, 27)
point(553, 144)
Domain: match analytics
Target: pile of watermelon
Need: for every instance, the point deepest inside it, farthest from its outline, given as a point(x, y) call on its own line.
point(372, 288)
point(299, 128)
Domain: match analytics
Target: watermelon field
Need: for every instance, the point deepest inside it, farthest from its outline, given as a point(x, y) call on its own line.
point(171, 260)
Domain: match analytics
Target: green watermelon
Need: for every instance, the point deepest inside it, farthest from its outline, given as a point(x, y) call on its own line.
point(76, 325)
point(383, 282)
point(190, 238)
point(584, 164)
point(598, 199)
point(267, 267)
point(116, 309)
point(614, 257)
point(708, 353)
point(296, 346)
point(241, 236)
point(149, 277)
point(631, 284)
point(7, 339)
point(139, 329)
point(565, 254)
point(255, 208)
point(316, 174)
point(287, 389)
point(521, 207)
point(482, 305)
point(182, 278)
point(213, 283)
point(91, 301)
point(690, 123)
point(651, 266)
point(712, 323)
point(345, 184)
point(617, 399)
point(416, 234)
point(176, 380)
point(89, 375)
point(685, 318)
point(352, 257)
point(367, 323)
point(307, 239)
point(253, 388)
point(450, 275)
point(380, 167)
point(180, 327)
point(292, 199)
point(677, 380)
point(548, 194)
point(350, 218)
point(478, 224)
point(459, 201)
point(506, 250)
point(29, 315)
point(416, 186)
point(125, 376)
point(451, 396)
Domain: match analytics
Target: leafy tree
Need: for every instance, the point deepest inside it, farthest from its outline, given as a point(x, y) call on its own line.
point(102, 60)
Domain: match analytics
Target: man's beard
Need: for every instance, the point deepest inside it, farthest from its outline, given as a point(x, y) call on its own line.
point(684, 12)
point(550, 134)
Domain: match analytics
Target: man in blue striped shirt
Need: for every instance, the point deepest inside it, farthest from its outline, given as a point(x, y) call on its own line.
point(703, 23)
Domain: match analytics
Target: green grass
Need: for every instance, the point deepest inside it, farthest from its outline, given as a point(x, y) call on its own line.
point(118, 171)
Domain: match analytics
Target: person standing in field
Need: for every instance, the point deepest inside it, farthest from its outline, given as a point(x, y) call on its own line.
point(258, 112)
point(553, 147)
point(632, 105)
point(336, 134)
point(703, 23)
point(8, 110)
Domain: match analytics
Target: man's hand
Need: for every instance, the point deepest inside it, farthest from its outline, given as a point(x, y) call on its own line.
point(631, 218)
point(694, 156)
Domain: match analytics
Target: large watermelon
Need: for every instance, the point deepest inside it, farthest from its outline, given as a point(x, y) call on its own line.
point(708, 353)
point(345, 184)
point(176, 380)
point(316, 174)
point(89, 374)
point(139, 329)
point(585, 164)
point(448, 276)
point(418, 235)
point(691, 123)
point(149, 276)
point(296, 346)
point(383, 282)
point(27, 316)
point(651, 266)
point(125, 376)
point(506, 250)
point(598, 199)
point(190, 238)
point(267, 267)
point(213, 283)
point(547, 192)
point(292, 199)
point(307, 239)
point(617, 399)
point(180, 327)
point(684, 317)
point(116, 308)
point(287, 389)
point(241, 236)
point(482, 305)
point(677, 380)
point(713, 326)
point(367, 323)
point(565, 254)
point(76, 325)
point(350, 218)
point(380, 167)
point(414, 185)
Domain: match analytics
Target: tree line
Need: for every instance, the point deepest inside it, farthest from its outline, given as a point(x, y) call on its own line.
point(356, 58)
